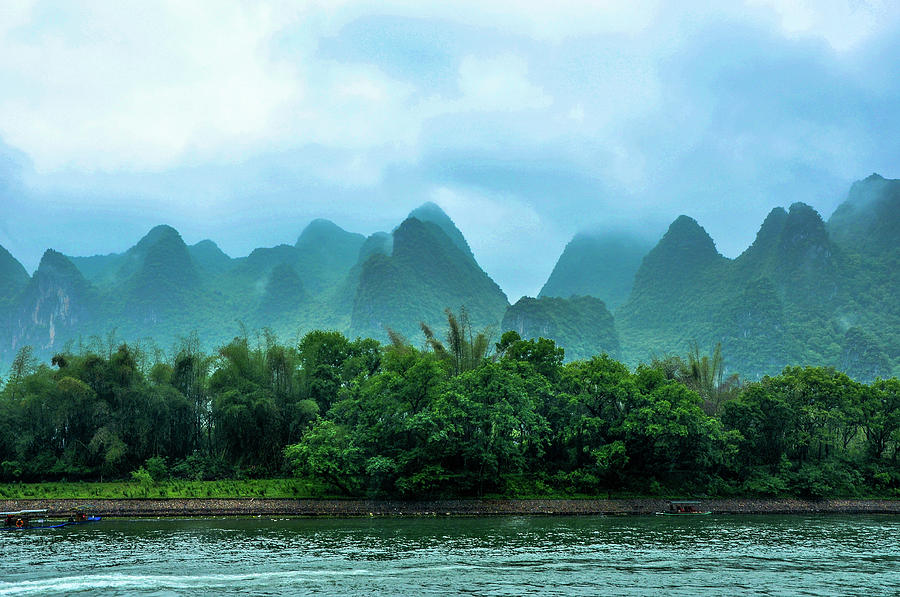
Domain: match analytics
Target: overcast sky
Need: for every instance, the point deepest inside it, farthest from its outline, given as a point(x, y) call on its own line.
point(526, 120)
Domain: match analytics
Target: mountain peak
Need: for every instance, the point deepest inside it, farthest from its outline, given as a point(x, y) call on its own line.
point(413, 236)
point(803, 221)
point(803, 226)
point(684, 252)
point(866, 191)
point(157, 234)
point(767, 238)
point(412, 229)
point(432, 273)
point(324, 254)
point(56, 299)
point(868, 219)
point(321, 230)
point(685, 235)
point(209, 256)
point(159, 265)
point(431, 212)
point(774, 221)
point(57, 267)
point(686, 222)
point(428, 210)
point(799, 208)
point(53, 260)
point(206, 245)
point(771, 228)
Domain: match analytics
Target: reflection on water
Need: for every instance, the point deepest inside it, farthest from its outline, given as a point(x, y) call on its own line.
point(726, 555)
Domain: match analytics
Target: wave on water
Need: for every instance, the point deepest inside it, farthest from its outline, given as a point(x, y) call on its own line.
point(157, 582)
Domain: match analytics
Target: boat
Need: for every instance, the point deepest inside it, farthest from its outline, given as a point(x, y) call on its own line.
point(20, 520)
point(684, 508)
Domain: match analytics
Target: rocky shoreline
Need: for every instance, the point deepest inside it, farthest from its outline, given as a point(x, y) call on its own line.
point(141, 508)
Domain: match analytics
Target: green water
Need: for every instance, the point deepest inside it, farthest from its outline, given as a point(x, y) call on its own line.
point(710, 555)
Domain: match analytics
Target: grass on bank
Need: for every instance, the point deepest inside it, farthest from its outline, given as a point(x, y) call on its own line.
point(230, 489)
point(222, 489)
point(175, 489)
point(143, 487)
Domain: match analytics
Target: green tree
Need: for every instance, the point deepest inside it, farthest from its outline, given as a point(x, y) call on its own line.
point(543, 354)
point(328, 452)
point(482, 426)
point(879, 417)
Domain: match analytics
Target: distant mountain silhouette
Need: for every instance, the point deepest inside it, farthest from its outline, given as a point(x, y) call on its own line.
point(582, 325)
point(869, 220)
point(601, 265)
point(804, 292)
point(426, 273)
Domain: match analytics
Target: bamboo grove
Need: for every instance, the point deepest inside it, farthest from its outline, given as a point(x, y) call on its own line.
point(463, 417)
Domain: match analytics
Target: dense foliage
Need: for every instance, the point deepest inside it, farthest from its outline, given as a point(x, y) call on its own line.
point(457, 417)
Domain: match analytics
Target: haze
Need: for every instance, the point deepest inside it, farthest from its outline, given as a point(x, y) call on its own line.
point(525, 121)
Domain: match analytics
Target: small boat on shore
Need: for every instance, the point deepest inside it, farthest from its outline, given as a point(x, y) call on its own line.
point(684, 508)
point(21, 520)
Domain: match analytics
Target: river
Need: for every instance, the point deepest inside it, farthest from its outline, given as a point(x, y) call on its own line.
point(565, 555)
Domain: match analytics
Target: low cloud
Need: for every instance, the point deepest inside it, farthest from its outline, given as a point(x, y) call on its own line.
point(242, 121)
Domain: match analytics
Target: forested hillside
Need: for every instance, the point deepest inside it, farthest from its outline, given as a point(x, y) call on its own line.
point(160, 288)
point(425, 273)
point(665, 308)
point(13, 279)
point(867, 227)
point(805, 292)
point(582, 323)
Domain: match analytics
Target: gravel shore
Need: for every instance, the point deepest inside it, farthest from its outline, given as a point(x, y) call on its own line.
point(484, 507)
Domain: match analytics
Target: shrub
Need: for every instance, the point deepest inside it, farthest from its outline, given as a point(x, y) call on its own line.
point(156, 467)
point(142, 476)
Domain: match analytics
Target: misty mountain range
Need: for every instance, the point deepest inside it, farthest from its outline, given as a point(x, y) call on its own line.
point(805, 292)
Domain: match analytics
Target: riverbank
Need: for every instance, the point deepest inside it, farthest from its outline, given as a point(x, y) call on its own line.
point(137, 508)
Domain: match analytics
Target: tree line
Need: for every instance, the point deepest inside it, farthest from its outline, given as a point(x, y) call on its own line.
point(459, 415)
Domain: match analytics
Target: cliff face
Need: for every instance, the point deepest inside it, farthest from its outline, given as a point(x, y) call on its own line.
point(56, 302)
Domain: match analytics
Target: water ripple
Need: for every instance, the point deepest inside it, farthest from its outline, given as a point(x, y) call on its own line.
point(775, 555)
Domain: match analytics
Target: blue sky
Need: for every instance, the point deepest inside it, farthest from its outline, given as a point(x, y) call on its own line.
point(527, 121)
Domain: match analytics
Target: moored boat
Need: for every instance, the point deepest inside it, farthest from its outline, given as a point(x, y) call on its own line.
point(684, 508)
point(20, 520)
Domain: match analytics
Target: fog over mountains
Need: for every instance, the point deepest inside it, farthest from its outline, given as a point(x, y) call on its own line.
point(806, 291)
